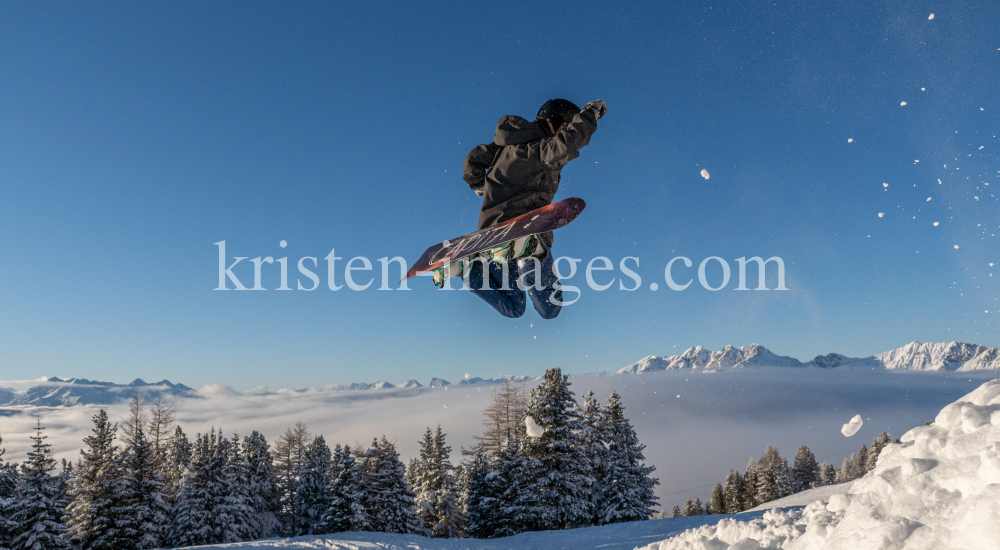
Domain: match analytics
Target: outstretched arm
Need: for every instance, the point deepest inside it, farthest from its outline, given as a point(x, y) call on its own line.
point(477, 163)
point(565, 146)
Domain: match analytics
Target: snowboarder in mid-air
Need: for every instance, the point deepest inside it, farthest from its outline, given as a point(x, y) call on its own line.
point(516, 174)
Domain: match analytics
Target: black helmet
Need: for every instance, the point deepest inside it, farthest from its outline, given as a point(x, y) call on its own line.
point(560, 109)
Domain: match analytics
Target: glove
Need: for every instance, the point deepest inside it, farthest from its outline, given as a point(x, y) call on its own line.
point(599, 105)
point(479, 190)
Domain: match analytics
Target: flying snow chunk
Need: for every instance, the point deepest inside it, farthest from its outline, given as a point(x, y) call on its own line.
point(902, 103)
point(956, 247)
point(880, 214)
point(852, 427)
point(929, 17)
point(936, 224)
point(467, 376)
point(981, 146)
point(704, 173)
point(850, 140)
point(885, 185)
point(534, 430)
point(928, 199)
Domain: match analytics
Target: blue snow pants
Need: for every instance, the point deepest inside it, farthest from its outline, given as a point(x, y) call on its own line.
point(506, 295)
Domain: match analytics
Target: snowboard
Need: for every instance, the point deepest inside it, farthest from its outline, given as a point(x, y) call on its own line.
point(544, 219)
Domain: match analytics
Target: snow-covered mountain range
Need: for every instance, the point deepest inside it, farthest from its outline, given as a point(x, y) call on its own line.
point(945, 356)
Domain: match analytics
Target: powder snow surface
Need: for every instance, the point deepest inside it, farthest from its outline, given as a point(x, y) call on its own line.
point(940, 488)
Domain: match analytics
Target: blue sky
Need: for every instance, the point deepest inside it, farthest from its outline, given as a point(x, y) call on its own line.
point(133, 137)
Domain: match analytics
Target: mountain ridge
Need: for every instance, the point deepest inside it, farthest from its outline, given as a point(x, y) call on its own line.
point(915, 356)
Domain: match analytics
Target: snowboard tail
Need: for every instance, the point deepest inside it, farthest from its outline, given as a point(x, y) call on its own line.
point(542, 220)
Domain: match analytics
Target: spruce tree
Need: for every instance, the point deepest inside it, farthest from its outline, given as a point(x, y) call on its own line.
point(190, 521)
point(481, 497)
point(862, 461)
point(39, 506)
point(8, 488)
point(236, 516)
point(144, 519)
point(717, 504)
point(566, 476)
point(174, 467)
point(385, 496)
point(692, 507)
point(676, 512)
point(596, 435)
point(315, 491)
point(625, 484)
point(96, 494)
point(749, 495)
point(436, 494)
point(767, 472)
point(828, 474)
point(806, 470)
point(262, 487)
point(732, 493)
point(345, 512)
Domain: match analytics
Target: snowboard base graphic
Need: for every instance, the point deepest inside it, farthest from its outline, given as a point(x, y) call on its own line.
point(542, 220)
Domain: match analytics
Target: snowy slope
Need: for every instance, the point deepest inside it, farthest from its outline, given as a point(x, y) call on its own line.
point(623, 536)
point(947, 356)
point(939, 488)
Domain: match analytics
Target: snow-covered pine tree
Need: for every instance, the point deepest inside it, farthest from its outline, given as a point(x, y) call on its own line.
point(732, 493)
point(676, 512)
point(566, 477)
point(626, 485)
point(345, 512)
point(784, 477)
point(827, 474)
point(451, 520)
point(314, 490)
point(767, 475)
point(385, 496)
point(498, 502)
point(436, 494)
point(262, 486)
point(847, 469)
point(288, 452)
point(95, 494)
point(717, 504)
point(749, 493)
point(144, 518)
point(177, 462)
point(240, 523)
point(207, 512)
point(480, 497)
point(8, 487)
point(422, 477)
point(596, 434)
point(691, 508)
point(39, 506)
point(190, 522)
point(862, 463)
point(806, 470)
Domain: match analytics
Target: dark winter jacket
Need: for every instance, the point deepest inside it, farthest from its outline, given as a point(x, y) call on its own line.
point(519, 171)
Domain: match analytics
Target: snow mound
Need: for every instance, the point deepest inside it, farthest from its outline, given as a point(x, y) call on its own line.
point(532, 427)
point(852, 427)
point(939, 488)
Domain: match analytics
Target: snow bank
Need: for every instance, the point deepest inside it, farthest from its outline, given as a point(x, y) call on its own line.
point(939, 488)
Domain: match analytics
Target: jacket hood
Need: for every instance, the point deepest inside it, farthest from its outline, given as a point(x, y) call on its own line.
point(513, 130)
